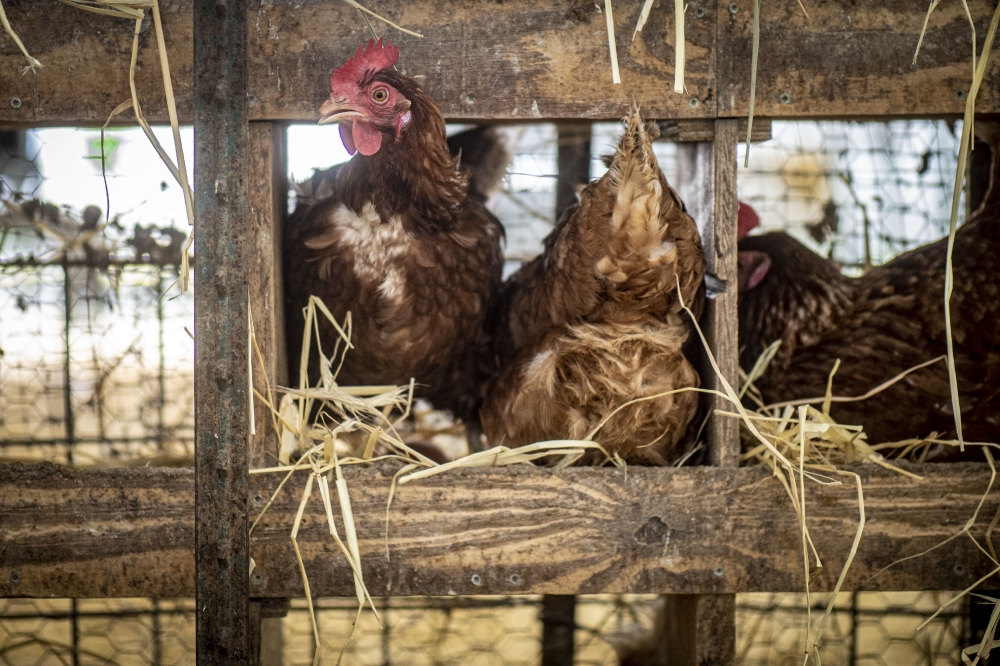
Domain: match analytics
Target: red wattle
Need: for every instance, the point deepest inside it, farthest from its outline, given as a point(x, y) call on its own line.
point(368, 139)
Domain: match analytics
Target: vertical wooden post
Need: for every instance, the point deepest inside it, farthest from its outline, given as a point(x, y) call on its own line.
point(558, 629)
point(572, 161)
point(573, 164)
point(222, 395)
point(268, 205)
point(706, 180)
point(700, 630)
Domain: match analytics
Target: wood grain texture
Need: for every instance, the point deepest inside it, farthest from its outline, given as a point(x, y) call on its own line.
point(698, 630)
point(223, 231)
point(521, 59)
point(706, 173)
point(510, 60)
point(852, 59)
point(721, 312)
point(268, 203)
point(703, 129)
point(76, 533)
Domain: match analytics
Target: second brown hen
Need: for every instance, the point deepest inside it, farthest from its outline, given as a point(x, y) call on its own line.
point(596, 320)
point(878, 326)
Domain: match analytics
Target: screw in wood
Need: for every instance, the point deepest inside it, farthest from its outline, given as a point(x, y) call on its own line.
point(734, 7)
point(785, 98)
point(515, 579)
point(15, 577)
point(476, 579)
point(15, 102)
point(959, 94)
point(719, 572)
point(699, 12)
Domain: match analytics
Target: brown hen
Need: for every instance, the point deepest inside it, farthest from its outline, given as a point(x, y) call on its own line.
point(595, 321)
point(396, 237)
point(880, 325)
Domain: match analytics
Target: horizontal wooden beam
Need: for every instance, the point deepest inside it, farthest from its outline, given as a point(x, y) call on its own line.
point(852, 59)
point(130, 532)
point(699, 130)
point(512, 60)
point(521, 60)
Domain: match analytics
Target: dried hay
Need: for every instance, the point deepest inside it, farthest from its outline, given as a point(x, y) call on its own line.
point(376, 413)
point(33, 63)
point(803, 432)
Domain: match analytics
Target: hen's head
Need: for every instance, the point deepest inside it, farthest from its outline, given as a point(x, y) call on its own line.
point(364, 102)
point(753, 265)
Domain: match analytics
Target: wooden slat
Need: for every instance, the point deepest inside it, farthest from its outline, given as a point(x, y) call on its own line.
point(511, 60)
point(703, 129)
point(524, 60)
point(852, 59)
point(102, 533)
point(223, 230)
point(706, 173)
point(699, 629)
point(268, 203)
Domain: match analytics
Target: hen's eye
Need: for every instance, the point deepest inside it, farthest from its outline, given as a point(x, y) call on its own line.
point(380, 95)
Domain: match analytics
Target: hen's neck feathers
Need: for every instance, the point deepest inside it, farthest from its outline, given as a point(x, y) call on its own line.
point(802, 297)
point(414, 175)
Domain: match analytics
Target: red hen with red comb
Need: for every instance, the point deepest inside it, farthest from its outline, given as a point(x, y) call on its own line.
point(396, 237)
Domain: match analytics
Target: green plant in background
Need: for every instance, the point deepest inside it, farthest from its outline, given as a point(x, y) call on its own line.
point(110, 145)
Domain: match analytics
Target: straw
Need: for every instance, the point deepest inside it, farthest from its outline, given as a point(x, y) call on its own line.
point(354, 4)
point(963, 154)
point(643, 17)
point(136, 10)
point(609, 17)
point(679, 57)
point(33, 64)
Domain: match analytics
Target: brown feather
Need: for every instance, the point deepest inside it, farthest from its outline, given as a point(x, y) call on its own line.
point(396, 239)
point(594, 321)
point(880, 325)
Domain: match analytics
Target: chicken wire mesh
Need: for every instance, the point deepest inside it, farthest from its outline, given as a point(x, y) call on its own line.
point(858, 193)
point(867, 629)
point(96, 368)
point(95, 365)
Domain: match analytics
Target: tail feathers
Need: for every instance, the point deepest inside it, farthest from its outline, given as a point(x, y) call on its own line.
point(641, 256)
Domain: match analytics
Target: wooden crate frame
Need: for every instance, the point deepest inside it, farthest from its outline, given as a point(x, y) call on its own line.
point(701, 534)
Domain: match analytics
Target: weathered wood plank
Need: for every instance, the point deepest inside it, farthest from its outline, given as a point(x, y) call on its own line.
point(706, 181)
point(522, 60)
point(99, 533)
point(268, 203)
point(688, 130)
point(697, 630)
point(852, 59)
point(223, 230)
point(510, 60)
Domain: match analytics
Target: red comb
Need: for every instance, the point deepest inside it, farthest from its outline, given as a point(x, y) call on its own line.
point(374, 58)
point(747, 220)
